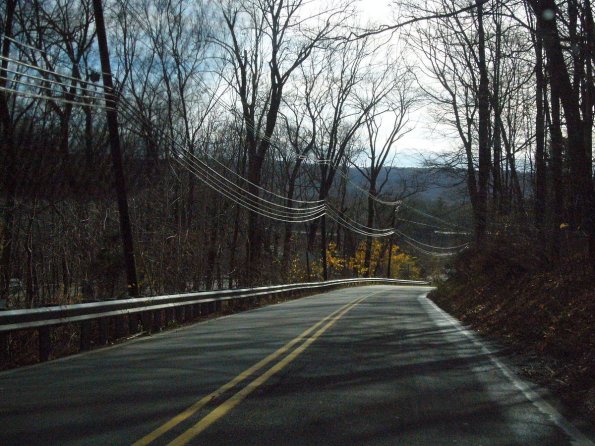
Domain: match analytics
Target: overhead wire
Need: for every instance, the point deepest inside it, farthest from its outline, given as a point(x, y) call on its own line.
point(347, 225)
point(49, 89)
point(220, 101)
point(319, 204)
point(203, 168)
point(368, 229)
point(44, 79)
point(54, 98)
point(219, 183)
point(425, 214)
point(256, 209)
point(419, 223)
point(295, 216)
point(136, 16)
point(42, 51)
point(53, 73)
point(445, 248)
point(430, 253)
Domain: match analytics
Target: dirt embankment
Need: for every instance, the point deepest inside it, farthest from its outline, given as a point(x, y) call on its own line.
point(546, 315)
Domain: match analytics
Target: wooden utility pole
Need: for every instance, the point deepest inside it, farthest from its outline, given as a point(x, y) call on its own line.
point(116, 152)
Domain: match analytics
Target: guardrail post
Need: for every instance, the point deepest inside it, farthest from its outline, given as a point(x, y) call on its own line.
point(157, 321)
point(169, 316)
point(179, 314)
point(85, 342)
point(4, 352)
point(146, 320)
point(120, 326)
point(103, 330)
point(204, 309)
point(133, 321)
point(44, 343)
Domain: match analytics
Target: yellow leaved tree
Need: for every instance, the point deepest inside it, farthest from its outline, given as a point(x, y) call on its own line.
point(403, 266)
point(333, 261)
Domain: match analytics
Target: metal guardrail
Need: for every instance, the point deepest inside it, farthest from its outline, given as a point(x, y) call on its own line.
point(177, 307)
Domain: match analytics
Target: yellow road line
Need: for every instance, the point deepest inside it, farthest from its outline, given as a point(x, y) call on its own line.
point(187, 413)
point(236, 399)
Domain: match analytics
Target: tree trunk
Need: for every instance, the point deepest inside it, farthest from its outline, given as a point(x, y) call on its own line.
point(323, 247)
point(289, 226)
point(497, 169)
point(88, 139)
point(484, 123)
point(588, 102)
point(8, 158)
point(370, 224)
point(557, 183)
point(540, 168)
point(581, 186)
point(212, 251)
point(253, 267)
point(234, 247)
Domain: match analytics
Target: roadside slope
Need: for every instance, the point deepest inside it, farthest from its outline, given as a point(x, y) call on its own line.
point(547, 317)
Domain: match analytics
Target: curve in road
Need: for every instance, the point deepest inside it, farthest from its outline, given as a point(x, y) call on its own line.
point(377, 365)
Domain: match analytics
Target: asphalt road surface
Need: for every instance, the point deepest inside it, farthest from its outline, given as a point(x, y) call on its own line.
point(378, 365)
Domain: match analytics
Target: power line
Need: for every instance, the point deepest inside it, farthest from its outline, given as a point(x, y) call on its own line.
point(223, 189)
point(49, 89)
point(47, 71)
point(380, 231)
point(430, 253)
point(53, 98)
point(296, 214)
point(224, 186)
point(196, 161)
point(445, 248)
point(214, 183)
point(136, 16)
point(362, 230)
point(425, 214)
point(293, 210)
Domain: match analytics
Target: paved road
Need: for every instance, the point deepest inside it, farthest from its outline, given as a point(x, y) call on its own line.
point(362, 366)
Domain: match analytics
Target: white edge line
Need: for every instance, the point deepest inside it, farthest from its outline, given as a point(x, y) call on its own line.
point(577, 437)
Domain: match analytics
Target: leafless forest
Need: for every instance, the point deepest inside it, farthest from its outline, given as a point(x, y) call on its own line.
point(159, 146)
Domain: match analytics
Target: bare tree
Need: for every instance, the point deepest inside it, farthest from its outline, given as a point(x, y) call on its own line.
point(261, 48)
point(352, 92)
point(386, 122)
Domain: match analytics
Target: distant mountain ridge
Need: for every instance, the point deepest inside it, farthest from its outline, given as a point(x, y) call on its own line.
point(425, 183)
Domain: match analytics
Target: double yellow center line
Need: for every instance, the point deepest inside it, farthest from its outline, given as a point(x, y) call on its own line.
point(308, 336)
